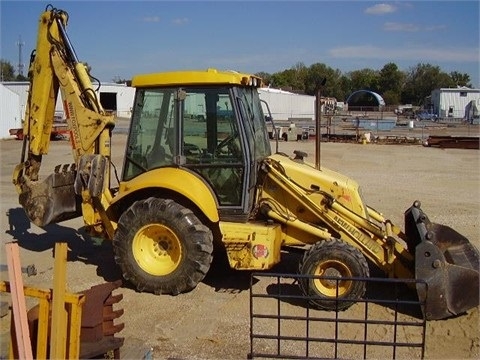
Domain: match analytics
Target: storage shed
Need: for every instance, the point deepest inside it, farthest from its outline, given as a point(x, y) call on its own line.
point(454, 102)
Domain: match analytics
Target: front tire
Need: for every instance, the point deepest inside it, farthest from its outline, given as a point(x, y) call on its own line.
point(162, 247)
point(333, 258)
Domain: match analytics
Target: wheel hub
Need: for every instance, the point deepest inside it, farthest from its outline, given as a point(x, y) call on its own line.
point(328, 285)
point(331, 273)
point(157, 249)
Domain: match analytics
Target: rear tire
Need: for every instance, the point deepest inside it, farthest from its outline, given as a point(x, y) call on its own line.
point(162, 247)
point(333, 258)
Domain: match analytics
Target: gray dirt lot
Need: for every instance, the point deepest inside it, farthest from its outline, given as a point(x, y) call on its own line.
point(212, 321)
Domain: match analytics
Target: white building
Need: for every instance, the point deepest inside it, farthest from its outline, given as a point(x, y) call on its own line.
point(454, 102)
point(117, 98)
point(10, 117)
point(285, 105)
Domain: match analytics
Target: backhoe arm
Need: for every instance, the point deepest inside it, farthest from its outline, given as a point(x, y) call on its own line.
point(54, 67)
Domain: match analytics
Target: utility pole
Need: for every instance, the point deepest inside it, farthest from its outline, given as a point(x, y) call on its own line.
point(20, 66)
point(318, 120)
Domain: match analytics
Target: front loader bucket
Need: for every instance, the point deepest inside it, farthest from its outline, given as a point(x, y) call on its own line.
point(52, 200)
point(446, 265)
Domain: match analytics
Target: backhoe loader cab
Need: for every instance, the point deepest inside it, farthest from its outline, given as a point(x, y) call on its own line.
point(208, 123)
point(199, 173)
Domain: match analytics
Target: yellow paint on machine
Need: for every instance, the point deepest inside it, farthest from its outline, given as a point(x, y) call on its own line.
point(252, 246)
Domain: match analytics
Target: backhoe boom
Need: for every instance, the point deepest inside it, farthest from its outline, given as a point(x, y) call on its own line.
point(54, 67)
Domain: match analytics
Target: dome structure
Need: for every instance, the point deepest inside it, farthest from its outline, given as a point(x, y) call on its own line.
point(365, 98)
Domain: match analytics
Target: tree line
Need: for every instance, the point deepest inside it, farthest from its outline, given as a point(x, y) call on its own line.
point(394, 85)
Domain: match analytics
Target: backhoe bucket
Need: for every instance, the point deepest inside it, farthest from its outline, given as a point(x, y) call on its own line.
point(52, 200)
point(446, 265)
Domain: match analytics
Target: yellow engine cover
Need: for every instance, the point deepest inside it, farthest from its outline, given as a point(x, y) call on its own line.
point(343, 189)
point(252, 246)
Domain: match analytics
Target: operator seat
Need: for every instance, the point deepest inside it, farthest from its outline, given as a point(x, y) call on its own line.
point(156, 157)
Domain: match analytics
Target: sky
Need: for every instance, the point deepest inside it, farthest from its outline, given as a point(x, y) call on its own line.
point(119, 39)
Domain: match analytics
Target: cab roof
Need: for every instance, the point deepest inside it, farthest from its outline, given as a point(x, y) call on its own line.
point(196, 77)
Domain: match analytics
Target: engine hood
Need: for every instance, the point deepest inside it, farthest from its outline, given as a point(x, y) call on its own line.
point(342, 188)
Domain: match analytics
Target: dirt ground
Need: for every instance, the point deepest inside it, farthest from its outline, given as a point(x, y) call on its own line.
point(212, 321)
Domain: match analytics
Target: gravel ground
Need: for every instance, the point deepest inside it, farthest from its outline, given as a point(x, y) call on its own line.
point(212, 321)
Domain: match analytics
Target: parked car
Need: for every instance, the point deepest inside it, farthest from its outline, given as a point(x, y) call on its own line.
point(425, 115)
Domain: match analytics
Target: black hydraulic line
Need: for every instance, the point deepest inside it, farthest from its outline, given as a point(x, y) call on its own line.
point(72, 56)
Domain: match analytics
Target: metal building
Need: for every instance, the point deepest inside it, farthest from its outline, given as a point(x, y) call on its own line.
point(117, 98)
point(285, 105)
point(21, 89)
point(454, 102)
point(10, 117)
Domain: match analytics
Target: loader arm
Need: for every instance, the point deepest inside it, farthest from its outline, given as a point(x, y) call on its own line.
point(375, 240)
point(319, 207)
point(54, 67)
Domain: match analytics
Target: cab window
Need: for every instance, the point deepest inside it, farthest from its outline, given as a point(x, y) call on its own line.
point(194, 128)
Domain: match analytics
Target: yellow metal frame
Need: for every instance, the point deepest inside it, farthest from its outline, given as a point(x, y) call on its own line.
point(66, 310)
point(73, 302)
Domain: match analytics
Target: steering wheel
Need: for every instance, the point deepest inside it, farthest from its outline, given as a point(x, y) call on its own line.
point(227, 142)
point(191, 149)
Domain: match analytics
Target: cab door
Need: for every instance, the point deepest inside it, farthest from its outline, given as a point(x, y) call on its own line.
point(213, 146)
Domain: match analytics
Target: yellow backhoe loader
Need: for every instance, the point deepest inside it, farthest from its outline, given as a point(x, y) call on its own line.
point(199, 173)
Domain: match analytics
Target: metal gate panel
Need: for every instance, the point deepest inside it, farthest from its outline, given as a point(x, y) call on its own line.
point(386, 323)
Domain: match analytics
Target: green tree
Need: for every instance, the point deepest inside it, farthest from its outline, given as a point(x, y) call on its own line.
point(292, 78)
point(391, 97)
point(281, 79)
point(300, 73)
point(460, 79)
point(119, 80)
point(7, 71)
point(345, 85)
point(396, 86)
point(421, 80)
point(316, 73)
point(390, 83)
point(21, 78)
point(266, 77)
point(365, 79)
point(335, 86)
